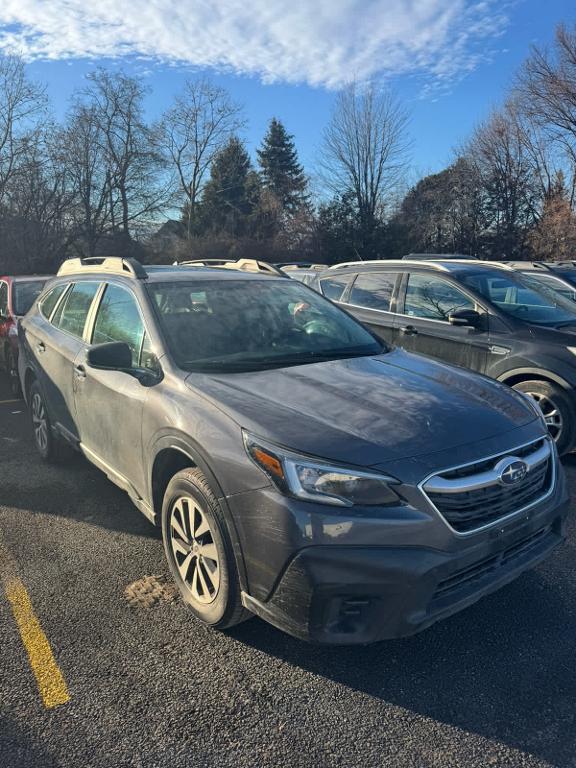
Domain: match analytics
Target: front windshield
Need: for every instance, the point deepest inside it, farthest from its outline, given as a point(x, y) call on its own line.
point(25, 294)
point(240, 325)
point(522, 297)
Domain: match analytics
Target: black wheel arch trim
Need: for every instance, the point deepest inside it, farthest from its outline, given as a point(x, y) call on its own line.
point(190, 448)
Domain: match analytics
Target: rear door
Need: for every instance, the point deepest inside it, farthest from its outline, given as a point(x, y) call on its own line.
point(371, 300)
point(109, 403)
point(423, 326)
point(55, 345)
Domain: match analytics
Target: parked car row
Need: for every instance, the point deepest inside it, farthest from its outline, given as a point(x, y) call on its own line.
point(17, 294)
point(302, 467)
point(515, 323)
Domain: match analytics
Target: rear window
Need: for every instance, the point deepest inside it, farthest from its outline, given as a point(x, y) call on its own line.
point(71, 315)
point(373, 290)
point(333, 287)
point(25, 294)
point(50, 300)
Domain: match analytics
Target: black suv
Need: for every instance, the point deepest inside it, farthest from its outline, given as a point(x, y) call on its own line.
point(484, 316)
point(300, 469)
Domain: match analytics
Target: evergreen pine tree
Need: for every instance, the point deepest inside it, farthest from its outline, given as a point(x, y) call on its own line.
point(281, 173)
point(230, 195)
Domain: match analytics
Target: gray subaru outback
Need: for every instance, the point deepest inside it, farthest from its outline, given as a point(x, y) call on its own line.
point(300, 469)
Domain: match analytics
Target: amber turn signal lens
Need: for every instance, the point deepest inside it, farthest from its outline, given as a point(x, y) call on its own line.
point(269, 462)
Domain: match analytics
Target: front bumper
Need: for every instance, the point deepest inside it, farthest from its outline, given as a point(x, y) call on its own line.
point(361, 594)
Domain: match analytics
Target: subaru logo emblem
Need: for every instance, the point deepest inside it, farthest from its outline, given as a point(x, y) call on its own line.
point(511, 470)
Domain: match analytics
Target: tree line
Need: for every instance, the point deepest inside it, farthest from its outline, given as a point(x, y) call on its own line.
point(105, 181)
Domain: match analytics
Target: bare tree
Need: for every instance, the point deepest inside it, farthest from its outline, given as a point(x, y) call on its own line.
point(85, 158)
point(510, 190)
point(114, 103)
point(199, 124)
point(36, 227)
point(365, 150)
point(21, 103)
point(546, 91)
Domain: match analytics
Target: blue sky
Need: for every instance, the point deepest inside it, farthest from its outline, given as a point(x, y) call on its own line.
point(450, 61)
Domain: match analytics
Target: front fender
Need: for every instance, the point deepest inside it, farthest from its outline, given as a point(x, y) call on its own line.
point(170, 438)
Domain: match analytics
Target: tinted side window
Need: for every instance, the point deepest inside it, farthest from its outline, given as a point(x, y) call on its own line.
point(3, 299)
point(333, 287)
point(50, 300)
point(373, 290)
point(72, 313)
point(548, 281)
point(434, 298)
point(119, 319)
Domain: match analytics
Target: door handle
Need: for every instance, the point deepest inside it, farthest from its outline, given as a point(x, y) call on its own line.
point(409, 330)
point(40, 347)
point(79, 372)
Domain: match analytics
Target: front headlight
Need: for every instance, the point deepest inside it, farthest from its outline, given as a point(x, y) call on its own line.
point(318, 481)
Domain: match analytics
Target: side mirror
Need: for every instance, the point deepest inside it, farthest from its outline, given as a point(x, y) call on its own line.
point(113, 356)
point(464, 317)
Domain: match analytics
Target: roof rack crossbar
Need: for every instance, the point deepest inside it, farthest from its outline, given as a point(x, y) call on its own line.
point(246, 265)
point(114, 264)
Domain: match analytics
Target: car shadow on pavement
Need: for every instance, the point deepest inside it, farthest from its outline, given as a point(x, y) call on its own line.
point(21, 749)
point(504, 668)
point(74, 490)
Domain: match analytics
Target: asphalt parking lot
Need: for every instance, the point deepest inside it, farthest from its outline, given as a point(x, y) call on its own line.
point(145, 685)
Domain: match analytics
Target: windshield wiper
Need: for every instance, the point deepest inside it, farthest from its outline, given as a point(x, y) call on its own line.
point(254, 364)
point(303, 358)
point(225, 366)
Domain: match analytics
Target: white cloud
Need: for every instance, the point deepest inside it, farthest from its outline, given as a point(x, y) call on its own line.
point(319, 42)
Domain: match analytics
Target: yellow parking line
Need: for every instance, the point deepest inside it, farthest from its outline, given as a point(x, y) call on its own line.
point(5, 402)
point(51, 683)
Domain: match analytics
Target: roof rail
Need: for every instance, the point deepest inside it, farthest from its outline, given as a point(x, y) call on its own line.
point(394, 262)
point(345, 264)
point(114, 264)
point(246, 265)
point(525, 264)
point(509, 265)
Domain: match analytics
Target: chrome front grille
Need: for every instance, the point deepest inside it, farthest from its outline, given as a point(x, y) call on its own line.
point(473, 496)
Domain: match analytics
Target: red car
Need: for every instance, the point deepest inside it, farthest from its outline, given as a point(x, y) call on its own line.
point(17, 294)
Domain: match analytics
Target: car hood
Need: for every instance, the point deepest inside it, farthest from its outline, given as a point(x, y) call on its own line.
point(564, 336)
point(367, 410)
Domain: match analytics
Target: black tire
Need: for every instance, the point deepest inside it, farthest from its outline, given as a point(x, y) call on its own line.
point(557, 409)
point(189, 496)
point(49, 447)
point(12, 371)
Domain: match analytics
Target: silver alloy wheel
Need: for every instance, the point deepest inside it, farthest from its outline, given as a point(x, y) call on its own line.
point(39, 422)
point(194, 550)
point(551, 413)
